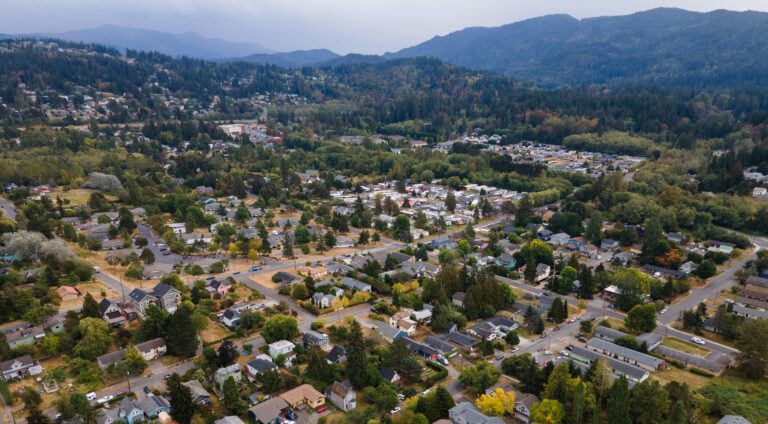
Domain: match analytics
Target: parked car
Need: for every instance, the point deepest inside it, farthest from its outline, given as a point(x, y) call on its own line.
point(321, 409)
point(290, 415)
point(105, 399)
point(255, 268)
point(565, 353)
point(146, 389)
point(664, 310)
point(395, 410)
point(91, 396)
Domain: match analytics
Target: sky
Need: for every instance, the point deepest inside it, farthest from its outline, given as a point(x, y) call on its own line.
point(344, 26)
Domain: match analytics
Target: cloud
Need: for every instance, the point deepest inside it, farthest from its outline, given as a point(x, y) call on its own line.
point(366, 26)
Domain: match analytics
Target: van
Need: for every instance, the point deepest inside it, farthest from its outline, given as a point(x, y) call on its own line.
point(91, 396)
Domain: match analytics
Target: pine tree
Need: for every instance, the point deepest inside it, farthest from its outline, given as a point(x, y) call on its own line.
point(450, 201)
point(180, 398)
point(232, 401)
point(357, 357)
point(180, 335)
point(36, 416)
point(90, 307)
point(618, 402)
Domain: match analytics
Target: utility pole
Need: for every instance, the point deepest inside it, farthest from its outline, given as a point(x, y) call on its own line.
point(128, 377)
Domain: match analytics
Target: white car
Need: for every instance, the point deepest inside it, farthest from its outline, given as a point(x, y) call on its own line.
point(664, 310)
point(395, 411)
point(105, 399)
point(91, 396)
point(698, 340)
point(548, 353)
point(565, 353)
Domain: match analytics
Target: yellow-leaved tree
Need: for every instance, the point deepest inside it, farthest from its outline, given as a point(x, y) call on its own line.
point(498, 403)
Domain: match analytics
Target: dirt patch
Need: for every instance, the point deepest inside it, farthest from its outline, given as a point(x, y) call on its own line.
point(214, 332)
point(96, 289)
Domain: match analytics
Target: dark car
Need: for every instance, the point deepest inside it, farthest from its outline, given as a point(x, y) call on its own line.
point(167, 376)
point(290, 415)
point(146, 389)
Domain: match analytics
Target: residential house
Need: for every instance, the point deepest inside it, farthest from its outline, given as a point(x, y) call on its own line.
point(221, 287)
point(229, 419)
point(338, 268)
point(285, 278)
point(441, 345)
point(111, 313)
point(523, 405)
point(441, 242)
point(268, 412)
point(542, 272)
point(154, 405)
point(222, 374)
point(304, 395)
point(343, 242)
point(720, 247)
point(313, 338)
point(559, 239)
point(467, 413)
point(389, 375)
point(200, 396)
point(67, 293)
point(163, 296)
point(284, 348)
point(676, 238)
point(342, 394)
point(149, 350)
point(230, 318)
point(19, 367)
point(458, 299)
point(19, 338)
point(127, 410)
point(506, 260)
point(609, 245)
point(260, 365)
point(462, 340)
point(689, 267)
point(355, 284)
point(657, 271)
point(337, 355)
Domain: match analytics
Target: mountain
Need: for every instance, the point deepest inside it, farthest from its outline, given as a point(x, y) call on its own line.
point(292, 59)
point(185, 44)
point(660, 45)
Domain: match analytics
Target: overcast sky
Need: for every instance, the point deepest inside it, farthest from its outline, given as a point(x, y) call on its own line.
point(363, 26)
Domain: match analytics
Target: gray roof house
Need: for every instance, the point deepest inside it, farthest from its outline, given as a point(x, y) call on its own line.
point(163, 296)
point(200, 396)
point(467, 413)
point(342, 394)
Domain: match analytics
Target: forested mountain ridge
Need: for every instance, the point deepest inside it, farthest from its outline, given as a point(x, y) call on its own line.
point(670, 46)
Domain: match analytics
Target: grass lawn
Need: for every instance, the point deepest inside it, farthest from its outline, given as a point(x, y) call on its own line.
point(78, 196)
point(681, 376)
point(214, 332)
point(685, 346)
point(739, 397)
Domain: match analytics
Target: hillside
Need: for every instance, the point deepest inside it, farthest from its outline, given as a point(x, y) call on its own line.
point(669, 46)
point(292, 59)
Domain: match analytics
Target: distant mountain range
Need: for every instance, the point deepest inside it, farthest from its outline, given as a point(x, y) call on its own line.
point(668, 46)
point(185, 44)
point(660, 45)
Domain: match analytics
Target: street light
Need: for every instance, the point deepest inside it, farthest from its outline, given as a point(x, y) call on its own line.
point(128, 377)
